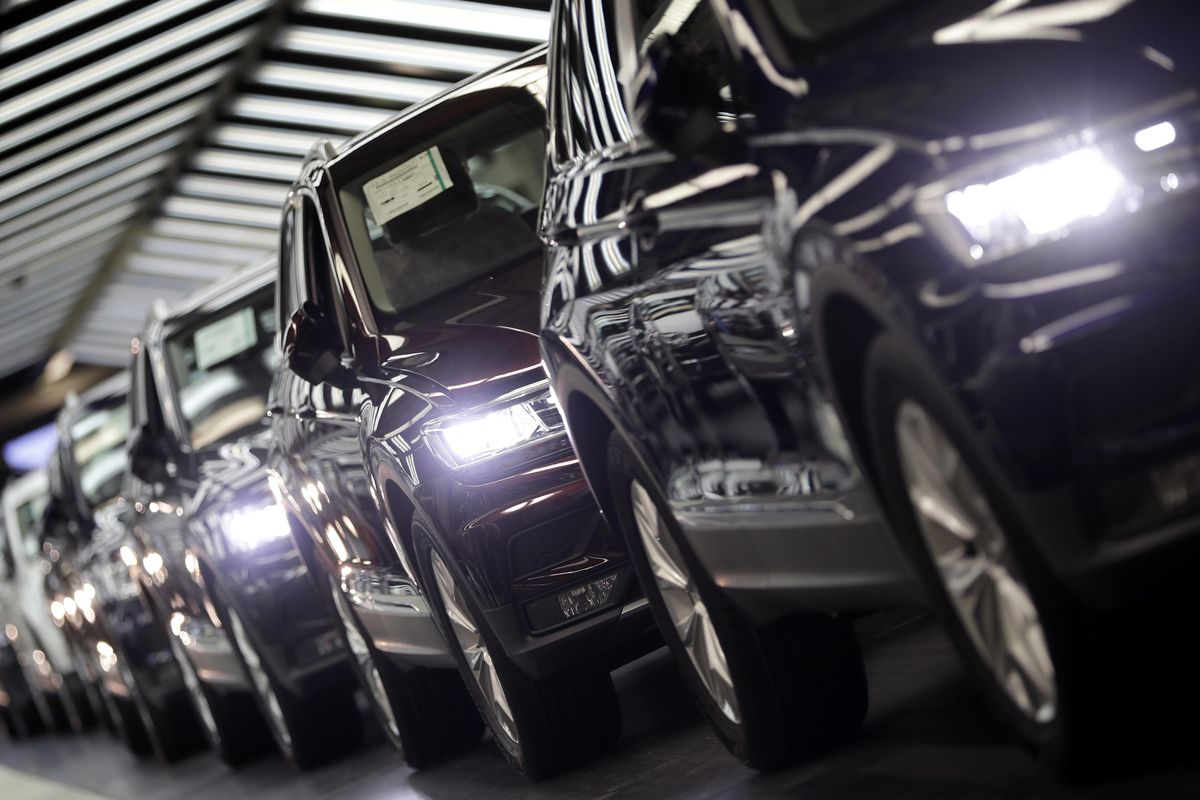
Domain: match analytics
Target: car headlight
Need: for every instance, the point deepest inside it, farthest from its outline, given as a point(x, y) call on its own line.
point(1003, 208)
point(248, 529)
point(505, 426)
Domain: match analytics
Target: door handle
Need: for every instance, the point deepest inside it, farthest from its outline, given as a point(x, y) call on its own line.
point(560, 236)
point(308, 412)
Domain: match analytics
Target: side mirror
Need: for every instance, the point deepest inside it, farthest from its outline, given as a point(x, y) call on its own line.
point(149, 459)
point(312, 347)
point(676, 101)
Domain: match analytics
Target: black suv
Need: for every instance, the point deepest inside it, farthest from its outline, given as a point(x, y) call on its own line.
point(955, 239)
point(411, 273)
point(216, 560)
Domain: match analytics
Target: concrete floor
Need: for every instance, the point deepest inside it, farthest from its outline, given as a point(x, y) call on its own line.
point(927, 736)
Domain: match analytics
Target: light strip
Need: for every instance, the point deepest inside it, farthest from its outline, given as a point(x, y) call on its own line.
point(93, 244)
point(343, 118)
point(402, 54)
point(148, 50)
point(170, 247)
point(199, 271)
point(84, 229)
point(455, 16)
point(28, 300)
point(20, 229)
point(70, 14)
point(79, 181)
point(257, 192)
point(250, 165)
point(75, 135)
point(205, 232)
point(271, 140)
point(101, 149)
point(66, 116)
point(216, 211)
point(347, 82)
point(37, 233)
point(124, 27)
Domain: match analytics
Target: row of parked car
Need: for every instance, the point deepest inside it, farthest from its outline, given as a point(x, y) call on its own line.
point(714, 323)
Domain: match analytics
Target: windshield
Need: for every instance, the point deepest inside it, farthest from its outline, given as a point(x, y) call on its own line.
point(452, 207)
point(221, 368)
point(29, 519)
point(98, 447)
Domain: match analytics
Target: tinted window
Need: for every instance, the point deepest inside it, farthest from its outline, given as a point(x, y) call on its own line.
point(452, 207)
point(98, 447)
point(221, 368)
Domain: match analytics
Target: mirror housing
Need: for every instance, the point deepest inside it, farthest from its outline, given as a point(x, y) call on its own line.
point(312, 346)
point(149, 459)
point(675, 102)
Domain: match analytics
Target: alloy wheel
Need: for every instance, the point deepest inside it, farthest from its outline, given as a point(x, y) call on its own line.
point(479, 659)
point(192, 681)
point(366, 663)
point(975, 562)
point(687, 610)
point(261, 682)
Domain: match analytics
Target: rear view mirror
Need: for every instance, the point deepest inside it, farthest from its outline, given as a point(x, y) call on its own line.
point(312, 346)
point(421, 195)
point(150, 459)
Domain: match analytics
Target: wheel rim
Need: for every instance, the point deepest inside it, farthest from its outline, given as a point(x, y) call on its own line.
point(261, 683)
point(688, 613)
point(478, 657)
point(366, 665)
point(192, 681)
point(974, 560)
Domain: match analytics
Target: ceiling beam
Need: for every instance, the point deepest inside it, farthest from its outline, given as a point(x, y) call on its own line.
point(244, 64)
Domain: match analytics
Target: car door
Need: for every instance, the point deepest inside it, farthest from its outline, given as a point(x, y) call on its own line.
point(705, 318)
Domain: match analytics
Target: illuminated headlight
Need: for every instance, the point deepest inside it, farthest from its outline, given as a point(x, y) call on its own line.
point(474, 437)
point(250, 528)
point(1036, 202)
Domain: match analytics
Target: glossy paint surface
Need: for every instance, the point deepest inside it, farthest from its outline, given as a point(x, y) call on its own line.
point(714, 306)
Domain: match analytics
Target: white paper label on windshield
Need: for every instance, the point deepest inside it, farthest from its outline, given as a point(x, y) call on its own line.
point(225, 338)
point(407, 186)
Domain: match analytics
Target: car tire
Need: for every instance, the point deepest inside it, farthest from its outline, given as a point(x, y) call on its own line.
point(774, 693)
point(231, 721)
point(543, 726)
point(1079, 725)
point(310, 730)
point(167, 729)
point(426, 714)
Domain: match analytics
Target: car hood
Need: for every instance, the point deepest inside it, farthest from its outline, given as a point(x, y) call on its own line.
point(471, 345)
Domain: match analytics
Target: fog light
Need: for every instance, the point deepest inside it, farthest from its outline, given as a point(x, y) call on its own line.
point(579, 600)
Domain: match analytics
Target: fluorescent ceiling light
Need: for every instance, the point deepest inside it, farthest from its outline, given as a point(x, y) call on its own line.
point(216, 211)
point(347, 82)
point(122, 28)
point(251, 165)
point(454, 16)
point(266, 194)
point(393, 51)
point(148, 50)
point(70, 14)
point(37, 233)
point(81, 180)
point(271, 140)
point(170, 247)
point(22, 228)
point(73, 136)
point(81, 231)
point(345, 118)
point(208, 232)
point(99, 150)
point(114, 96)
